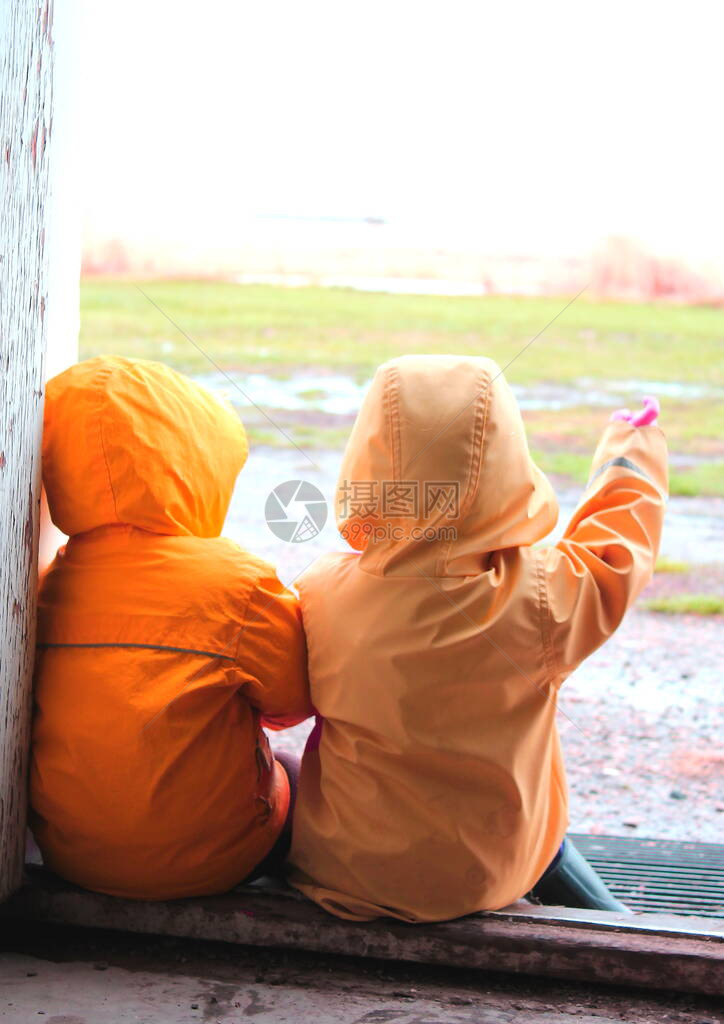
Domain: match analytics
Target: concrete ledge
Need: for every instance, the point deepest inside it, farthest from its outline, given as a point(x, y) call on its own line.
point(648, 950)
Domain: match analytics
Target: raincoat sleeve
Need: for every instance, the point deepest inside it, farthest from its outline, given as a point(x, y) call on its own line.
point(272, 656)
point(607, 554)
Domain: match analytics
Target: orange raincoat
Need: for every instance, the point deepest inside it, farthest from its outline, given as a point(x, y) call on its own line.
point(162, 646)
point(438, 787)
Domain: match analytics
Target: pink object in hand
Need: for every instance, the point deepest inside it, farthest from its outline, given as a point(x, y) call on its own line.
point(644, 417)
point(622, 414)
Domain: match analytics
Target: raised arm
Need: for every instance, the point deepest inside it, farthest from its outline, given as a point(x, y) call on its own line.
point(607, 554)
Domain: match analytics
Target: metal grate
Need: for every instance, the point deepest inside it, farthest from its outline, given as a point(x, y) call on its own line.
point(659, 875)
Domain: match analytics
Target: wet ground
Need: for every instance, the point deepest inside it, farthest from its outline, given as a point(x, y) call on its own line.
point(641, 721)
point(341, 395)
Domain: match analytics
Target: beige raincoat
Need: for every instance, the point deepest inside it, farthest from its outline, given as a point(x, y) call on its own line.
point(438, 787)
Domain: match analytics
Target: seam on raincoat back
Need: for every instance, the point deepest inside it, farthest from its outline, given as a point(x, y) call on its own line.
point(549, 654)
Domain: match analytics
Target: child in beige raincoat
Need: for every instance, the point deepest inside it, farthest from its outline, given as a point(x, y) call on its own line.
point(436, 786)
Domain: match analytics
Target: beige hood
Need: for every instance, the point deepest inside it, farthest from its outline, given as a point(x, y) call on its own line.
point(446, 427)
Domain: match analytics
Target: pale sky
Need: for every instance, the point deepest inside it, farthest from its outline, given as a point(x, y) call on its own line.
point(523, 126)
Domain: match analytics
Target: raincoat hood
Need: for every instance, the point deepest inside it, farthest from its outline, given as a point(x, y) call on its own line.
point(131, 441)
point(437, 468)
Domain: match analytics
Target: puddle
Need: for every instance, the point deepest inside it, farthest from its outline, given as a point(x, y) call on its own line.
point(336, 394)
point(339, 394)
point(610, 393)
point(668, 389)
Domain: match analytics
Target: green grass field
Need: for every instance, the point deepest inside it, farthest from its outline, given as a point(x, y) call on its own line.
point(284, 330)
point(686, 604)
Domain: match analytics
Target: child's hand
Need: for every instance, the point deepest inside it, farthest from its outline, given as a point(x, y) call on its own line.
point(642, 418)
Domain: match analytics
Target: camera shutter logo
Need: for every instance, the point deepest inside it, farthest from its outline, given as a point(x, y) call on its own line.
point(295, 511)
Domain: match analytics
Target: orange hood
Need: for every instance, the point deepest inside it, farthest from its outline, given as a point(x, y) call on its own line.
point(420, 425)
point(132, 441)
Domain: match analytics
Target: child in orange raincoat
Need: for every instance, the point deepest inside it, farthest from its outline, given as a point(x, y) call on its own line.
point(435, 786)
point(162, 647)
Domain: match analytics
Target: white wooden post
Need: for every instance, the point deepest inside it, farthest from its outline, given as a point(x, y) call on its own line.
point(63, 248)
point(26, 78)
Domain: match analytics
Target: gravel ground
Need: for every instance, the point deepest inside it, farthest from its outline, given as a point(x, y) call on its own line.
point(641, 721)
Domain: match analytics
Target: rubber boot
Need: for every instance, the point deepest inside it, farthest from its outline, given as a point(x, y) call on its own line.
point(571, 882)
